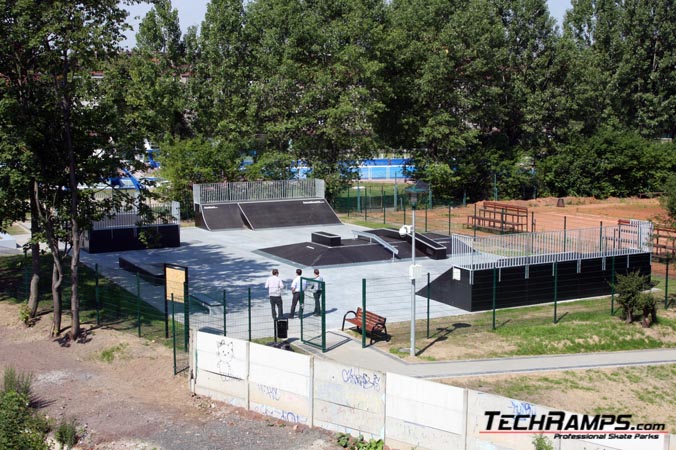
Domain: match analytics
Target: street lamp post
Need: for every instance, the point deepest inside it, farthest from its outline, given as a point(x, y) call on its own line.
point(418, 189)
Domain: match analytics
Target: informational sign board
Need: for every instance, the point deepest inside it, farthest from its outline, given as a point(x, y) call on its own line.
point(175, 280)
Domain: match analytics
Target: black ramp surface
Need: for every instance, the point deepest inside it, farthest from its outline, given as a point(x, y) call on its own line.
point(220, 216)
point(289, 213)
point(313, 254)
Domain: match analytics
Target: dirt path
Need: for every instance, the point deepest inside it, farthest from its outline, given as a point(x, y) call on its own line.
point(134, 401)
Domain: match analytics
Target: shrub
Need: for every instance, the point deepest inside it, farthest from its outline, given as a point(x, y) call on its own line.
point(17, 382)
point(20, 428)
point(350, 443)
point(66, 433)
point(628, 289)
point(540, 442)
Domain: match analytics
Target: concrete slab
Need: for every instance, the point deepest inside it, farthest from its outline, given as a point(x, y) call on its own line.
point(228, 259)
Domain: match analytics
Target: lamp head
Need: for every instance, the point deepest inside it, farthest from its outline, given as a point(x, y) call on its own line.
point(418, 189)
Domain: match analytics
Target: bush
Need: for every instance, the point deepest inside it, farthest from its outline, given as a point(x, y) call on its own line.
point(17, 382)
point(20, 428)
point(66, 433)
point(350, 443)
point(631, 299)
point(540, 442)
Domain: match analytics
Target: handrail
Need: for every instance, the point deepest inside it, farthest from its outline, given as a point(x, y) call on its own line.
point(378, 239)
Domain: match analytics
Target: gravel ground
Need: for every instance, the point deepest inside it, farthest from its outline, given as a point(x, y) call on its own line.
point(134, 401)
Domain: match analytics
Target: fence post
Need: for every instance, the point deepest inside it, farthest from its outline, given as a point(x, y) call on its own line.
point(494, 293)
point(225, 325)
point(138, 303)
point(450, 211)
point(428, 305)
point(365, 209)
point(475, 219)
point(556, 288)
point(612, 288)
point(382, 195)
point(349, 205)
point(363, 313)
point(96, 296)
point(323, 285)
point(382, 200)
point(173, 328)
point(186, 319)
point(249, 308)
point(666, 286)
point(358, 197)
point(425, 220)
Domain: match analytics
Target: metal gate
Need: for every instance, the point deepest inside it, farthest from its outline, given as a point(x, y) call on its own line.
point(313, 313)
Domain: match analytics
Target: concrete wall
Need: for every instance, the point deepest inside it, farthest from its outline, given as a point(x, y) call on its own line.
point(280, 384)
point(349, 400)
point(424, 414)
point(406, 412)
point(220, 368)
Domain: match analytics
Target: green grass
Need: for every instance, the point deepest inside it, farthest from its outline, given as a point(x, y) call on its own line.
point(15, 229)
point(583, 326)
point(118, 308)
point(117, 351)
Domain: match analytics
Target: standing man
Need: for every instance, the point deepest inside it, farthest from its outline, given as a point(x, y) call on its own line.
point(318, 287)
point(275, 286)
point(295, 290)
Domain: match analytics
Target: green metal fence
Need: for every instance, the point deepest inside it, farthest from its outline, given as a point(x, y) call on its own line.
point(393, 299)
point(313, 313)
point(389, 205)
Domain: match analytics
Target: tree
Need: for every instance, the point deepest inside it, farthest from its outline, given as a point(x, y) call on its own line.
point(610, 163)
point(66, 41)
point(668, 200)
point(645, 78)
point(221, 77)
point(159, 33)
point(317, 84)
point(197, 160)
point(23, 128)
point(153, 84)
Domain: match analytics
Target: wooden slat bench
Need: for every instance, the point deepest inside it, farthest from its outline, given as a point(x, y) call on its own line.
point(501, 217)
point(375, 324)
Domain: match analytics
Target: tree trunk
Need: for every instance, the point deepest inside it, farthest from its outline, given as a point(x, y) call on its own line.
point(645, 320)
point(34, 296)
point(74, 226)
point(74, 297)
point(57, 289)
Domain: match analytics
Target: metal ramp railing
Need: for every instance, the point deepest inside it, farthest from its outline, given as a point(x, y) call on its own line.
point(372, 237)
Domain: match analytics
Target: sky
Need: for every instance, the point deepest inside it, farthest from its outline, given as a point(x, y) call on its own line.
point(191, 12)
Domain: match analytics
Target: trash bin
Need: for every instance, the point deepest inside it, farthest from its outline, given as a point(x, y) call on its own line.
point(282, 328)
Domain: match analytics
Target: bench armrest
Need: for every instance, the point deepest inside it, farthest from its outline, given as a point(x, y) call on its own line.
point(345, 317)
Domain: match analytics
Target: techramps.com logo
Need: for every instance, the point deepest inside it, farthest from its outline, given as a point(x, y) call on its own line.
point(563, 425)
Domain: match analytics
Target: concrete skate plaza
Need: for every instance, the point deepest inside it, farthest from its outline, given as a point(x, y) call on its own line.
point(231, 260)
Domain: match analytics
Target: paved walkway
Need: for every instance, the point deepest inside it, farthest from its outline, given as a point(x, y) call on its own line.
point(348, 351)
point(345, 349)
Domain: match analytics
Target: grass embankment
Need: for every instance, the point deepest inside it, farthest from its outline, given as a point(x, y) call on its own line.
point(582, 326)
point(117, 308)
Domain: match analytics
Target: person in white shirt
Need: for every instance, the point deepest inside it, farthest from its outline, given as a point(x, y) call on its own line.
point(275, 286)
point(317, 292)
point(295, 290)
